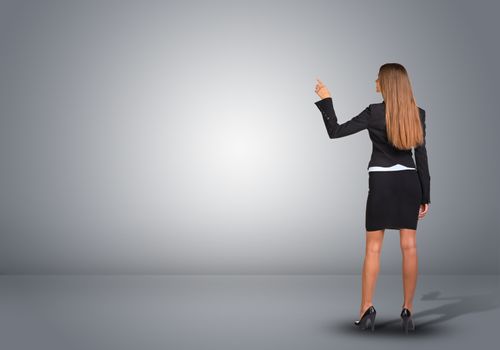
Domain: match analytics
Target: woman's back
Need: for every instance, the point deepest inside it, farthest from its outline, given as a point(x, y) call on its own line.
point(384, 154)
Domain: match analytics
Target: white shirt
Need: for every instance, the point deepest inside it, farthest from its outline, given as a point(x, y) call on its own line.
point(390, 168)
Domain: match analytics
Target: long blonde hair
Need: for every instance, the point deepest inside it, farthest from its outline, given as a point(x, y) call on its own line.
point(404, 129)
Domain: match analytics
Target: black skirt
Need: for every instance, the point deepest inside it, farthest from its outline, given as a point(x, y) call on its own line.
point(393, 200)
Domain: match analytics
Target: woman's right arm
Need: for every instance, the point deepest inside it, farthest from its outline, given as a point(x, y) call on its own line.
point(422, 163)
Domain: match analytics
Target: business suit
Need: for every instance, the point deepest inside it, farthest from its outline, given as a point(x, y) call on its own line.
point(383, 154)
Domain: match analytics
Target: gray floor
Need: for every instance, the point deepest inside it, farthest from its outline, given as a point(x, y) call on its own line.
point(240, 312)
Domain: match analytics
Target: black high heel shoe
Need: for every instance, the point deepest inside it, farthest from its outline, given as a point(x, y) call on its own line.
point(368, 318)
point(407, 321)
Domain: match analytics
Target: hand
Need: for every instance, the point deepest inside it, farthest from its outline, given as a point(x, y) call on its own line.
point(424, 208)
point(321, 90)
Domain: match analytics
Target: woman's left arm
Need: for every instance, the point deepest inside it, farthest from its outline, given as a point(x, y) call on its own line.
point(336, 130)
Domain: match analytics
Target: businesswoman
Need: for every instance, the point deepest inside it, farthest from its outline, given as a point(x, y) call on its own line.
point(398, 187)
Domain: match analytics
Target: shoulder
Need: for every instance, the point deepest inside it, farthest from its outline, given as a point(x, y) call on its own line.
point(376, 107)
point(421, 112)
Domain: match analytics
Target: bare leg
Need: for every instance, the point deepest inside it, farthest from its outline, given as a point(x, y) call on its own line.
point(410, 265)
point(371, 267)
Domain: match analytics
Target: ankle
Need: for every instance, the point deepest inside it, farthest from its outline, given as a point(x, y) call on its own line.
point(409, 307)
point(365, 306)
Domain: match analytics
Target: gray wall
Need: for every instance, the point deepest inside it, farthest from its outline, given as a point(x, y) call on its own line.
point(181, 137)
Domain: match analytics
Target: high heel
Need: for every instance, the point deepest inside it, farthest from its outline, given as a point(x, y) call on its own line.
point(368, 318)
point(407, 322)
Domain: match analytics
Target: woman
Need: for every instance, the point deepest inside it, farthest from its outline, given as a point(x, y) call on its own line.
point(399, 189)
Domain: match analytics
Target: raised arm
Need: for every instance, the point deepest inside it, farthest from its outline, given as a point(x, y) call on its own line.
point(336, 130)
point(423, 168)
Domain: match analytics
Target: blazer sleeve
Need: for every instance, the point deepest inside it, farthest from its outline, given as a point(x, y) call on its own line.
point(336, 130)
point(422, 163)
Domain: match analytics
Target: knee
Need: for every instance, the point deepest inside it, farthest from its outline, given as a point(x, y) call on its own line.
point(374, 248)
point(408, 246)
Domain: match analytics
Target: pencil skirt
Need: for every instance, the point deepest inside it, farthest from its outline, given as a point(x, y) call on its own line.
point(393, 200)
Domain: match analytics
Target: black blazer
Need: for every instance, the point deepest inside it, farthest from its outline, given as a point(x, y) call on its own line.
point(383, 153)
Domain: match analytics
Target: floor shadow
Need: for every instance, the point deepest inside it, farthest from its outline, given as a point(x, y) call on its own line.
point(461, 305)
